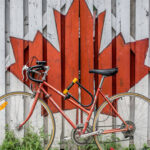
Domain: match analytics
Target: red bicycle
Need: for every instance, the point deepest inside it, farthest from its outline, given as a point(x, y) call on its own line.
point(120, 119)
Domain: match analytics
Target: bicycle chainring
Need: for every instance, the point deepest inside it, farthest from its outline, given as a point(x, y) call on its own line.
point(77, 132)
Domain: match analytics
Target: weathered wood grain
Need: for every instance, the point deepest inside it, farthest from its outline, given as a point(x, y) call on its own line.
point(2, 63)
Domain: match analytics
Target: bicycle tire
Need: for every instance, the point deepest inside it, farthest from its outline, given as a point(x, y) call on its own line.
point(41, 122)
point(125, 104)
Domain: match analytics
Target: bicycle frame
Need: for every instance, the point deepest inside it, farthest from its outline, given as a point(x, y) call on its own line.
point(88, 112)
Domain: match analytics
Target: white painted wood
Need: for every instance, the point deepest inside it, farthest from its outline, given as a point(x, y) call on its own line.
point(68, 4)
point(148, 125)
point(147, 59)
point(99, 5)
point(107, 33)
point(141, 32)
point(52, 35)
point(61, 6)
point(2, 49)
point(142, 88)
point(35, 24)
point(35, 18)
point(122, 19)
point(16, 30)
point(125, 20)
point(2, 65)
point(142, 19)
point(117, 18)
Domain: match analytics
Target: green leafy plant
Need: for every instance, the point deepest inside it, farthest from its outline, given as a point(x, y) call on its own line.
point(145, 147)
point(31, 140)
point(131, 147)
point(10, 142)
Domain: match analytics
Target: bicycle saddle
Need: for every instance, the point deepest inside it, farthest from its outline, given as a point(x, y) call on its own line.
point(105, 72)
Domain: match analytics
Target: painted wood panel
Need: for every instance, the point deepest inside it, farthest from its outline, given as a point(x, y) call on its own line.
point(105, 57)
point(70, 54)
point(2, 63)
point(86, 50)
point(53, 55)
point(101, 34)
point(16, 30)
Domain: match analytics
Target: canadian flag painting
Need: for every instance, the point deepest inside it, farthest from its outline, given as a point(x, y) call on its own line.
point(102, 45)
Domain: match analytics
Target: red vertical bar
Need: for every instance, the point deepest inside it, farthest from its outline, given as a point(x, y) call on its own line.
point(36, 47)
point(35, 50)
point(53, 57)
point(123, 64)
point(141, 70)
point(70, 50)
point(86, 51)
point(104, 61)
point(97, 44)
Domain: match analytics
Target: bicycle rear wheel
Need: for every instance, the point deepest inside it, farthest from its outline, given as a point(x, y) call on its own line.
point(14, 108)
point(133, 108)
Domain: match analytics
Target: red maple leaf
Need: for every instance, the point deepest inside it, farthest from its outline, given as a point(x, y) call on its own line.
point(43, 50)
point(130, 72)
point(128, 57)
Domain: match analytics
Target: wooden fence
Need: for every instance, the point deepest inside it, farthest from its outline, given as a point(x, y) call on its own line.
point(74, 36)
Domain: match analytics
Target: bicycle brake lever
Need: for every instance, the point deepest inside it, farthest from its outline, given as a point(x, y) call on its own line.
point(24, 69)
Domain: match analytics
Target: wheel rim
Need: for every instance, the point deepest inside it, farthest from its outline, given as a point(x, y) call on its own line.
point(41, 123)
point(137, 118)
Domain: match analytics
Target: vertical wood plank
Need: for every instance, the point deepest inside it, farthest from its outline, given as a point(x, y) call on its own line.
point(36, 43)
point(16, 30)
point(99, 24)
point(142, 21)
point(86, 50)
point(105, 56)
point(53, 52)
point(70, 53)
point(7, 49)
point(2, 64)
point(123, 49)
point(148, 125)
point(35, 24)
point(53, 57)
point(35, 30)
point(141, 47)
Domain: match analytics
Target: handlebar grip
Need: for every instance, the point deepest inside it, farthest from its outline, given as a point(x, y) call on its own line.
point(69, 87)
point(30, 71)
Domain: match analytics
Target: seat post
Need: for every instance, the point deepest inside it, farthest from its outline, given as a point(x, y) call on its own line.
point(101, 83)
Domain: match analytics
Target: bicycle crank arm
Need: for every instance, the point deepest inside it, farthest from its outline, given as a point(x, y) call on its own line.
point(92, 133)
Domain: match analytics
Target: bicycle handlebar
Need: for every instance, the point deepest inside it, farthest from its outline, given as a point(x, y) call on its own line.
point(31, 71)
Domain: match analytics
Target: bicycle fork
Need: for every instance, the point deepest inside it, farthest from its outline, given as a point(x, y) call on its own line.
point(31, 111)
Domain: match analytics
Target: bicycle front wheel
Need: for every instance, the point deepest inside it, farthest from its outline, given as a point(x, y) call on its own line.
point(134, 109)
point(38, 133)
